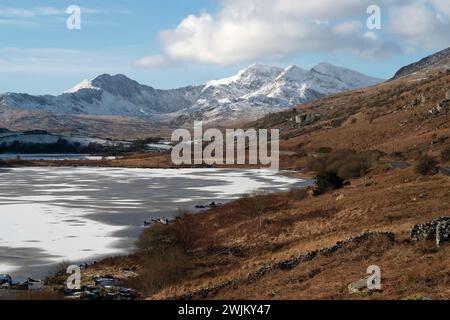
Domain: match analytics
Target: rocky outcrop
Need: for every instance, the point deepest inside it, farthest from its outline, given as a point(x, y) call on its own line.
point(6, 283)
point(358, 286)
point(106, 288)
point(437, 230)
point(307, 119)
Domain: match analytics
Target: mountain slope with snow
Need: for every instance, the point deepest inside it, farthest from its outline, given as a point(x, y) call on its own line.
point(259, 90)
point(107, 95)
point(252, 93)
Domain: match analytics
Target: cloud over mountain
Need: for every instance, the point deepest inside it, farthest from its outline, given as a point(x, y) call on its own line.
point(242, 31)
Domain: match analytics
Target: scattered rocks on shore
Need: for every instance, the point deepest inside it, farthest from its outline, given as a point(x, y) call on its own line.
point(106, 288)
point(167, 221)
point(163, 221)
point(212, 205)
point(6, 283)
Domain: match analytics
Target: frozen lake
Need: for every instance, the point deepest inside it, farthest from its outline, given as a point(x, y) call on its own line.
point(45, 156)
point(50, 215)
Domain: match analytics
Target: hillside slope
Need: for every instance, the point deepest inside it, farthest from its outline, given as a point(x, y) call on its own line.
point(439, 60)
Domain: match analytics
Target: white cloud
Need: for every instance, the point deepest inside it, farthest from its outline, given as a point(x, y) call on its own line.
point(243, 31)
point(57, 61)
point(13, 12)
point(350, 27)
point(442, 6)
point(150, 62)
point(26, 13)
point(421, 23)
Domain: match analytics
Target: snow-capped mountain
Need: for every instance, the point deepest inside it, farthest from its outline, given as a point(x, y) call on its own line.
point(252, 93)
point(107, 95)
point(260, 89)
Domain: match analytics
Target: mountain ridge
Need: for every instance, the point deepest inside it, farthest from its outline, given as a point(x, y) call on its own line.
point(435, 61)
point(252, 92)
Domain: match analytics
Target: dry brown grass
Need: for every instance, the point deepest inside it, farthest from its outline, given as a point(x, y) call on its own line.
point(388, 201)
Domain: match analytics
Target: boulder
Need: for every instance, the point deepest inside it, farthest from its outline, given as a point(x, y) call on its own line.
point(358, 286)
point(5, 278)
point(106, 281)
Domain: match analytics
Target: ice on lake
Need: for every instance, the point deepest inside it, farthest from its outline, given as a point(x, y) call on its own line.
point(51, 215)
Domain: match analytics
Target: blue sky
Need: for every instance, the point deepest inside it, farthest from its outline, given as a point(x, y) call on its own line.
point(172, 43)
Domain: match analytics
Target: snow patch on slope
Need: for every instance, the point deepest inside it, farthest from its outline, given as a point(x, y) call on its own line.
point(85, 84)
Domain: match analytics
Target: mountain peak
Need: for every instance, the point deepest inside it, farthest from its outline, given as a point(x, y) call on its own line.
point(253, 76)
point(107, 78)
point(327, 68)
point(260, 70)
point(293, 73)
point(118, 84)
point(105, 81)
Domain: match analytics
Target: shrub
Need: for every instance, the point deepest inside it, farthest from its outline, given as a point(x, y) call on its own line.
point(426, 165)
point(352, 170)
point(163, 253)
point(445, 154)
point(257, 204)
point(58, 276)
point(347, 164)
point(298, 194)
point(328, 181)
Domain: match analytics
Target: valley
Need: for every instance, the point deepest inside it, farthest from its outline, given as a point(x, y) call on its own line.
point(378, 156)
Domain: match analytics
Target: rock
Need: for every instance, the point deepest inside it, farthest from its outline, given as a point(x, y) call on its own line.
point(91, 293)
point(105, 289)
point(32, 284)
point(5, 278)
point(340, 197)
point(107, 281)
point(306, 119)
point(358, 286)
point(127, 294)
point(164, 221)
point(211, 205)
point(5, 286)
